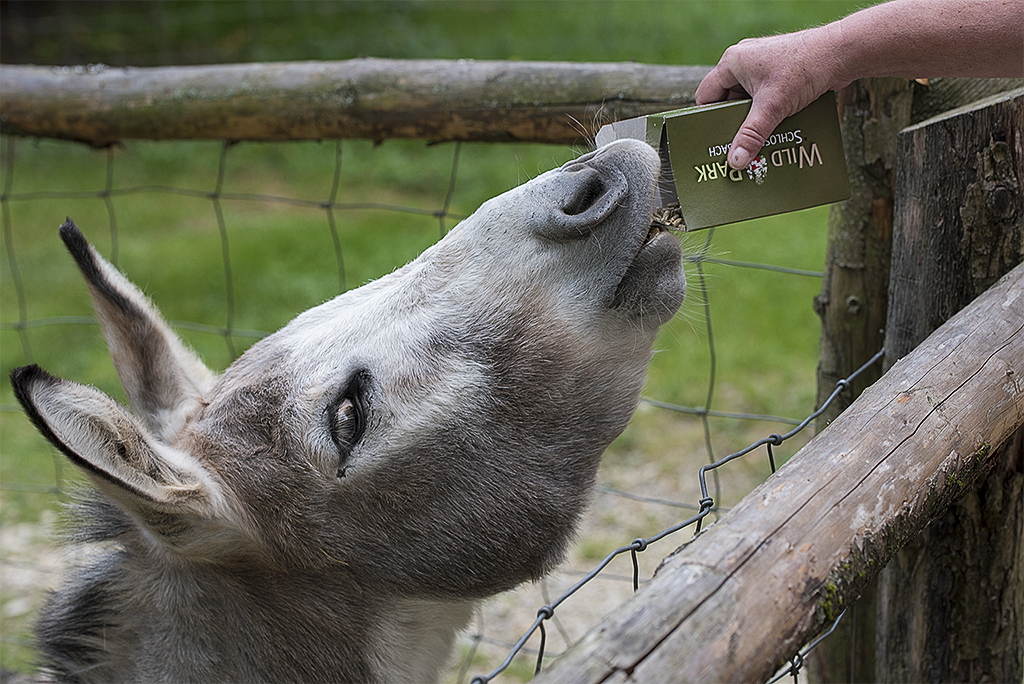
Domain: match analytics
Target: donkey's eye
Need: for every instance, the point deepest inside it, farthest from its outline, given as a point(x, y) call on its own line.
point(347, 420)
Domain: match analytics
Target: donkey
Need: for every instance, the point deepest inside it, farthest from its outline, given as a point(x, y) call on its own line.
point(330, 507)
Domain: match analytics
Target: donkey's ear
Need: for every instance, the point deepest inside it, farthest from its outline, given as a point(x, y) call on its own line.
point(163, 378)
point(158, 484)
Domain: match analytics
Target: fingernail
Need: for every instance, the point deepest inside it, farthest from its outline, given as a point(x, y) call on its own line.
point(739, 158)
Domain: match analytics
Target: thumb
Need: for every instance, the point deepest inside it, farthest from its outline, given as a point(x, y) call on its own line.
point(759, 124)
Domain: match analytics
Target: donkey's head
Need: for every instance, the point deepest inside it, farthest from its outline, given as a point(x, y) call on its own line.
point(431, 435)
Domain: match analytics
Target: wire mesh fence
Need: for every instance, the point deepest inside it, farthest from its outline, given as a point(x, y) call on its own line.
point(245, 273)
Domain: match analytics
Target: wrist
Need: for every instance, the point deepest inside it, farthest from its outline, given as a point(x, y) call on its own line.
point(837, 49)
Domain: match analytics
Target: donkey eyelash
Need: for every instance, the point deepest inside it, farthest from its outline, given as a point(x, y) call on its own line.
point(346, 423)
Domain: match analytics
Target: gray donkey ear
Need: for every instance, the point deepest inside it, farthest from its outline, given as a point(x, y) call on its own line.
point(164, 380)
point(145, 477)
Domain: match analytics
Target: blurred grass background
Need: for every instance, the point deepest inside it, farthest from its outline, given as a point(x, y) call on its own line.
point(282, 257)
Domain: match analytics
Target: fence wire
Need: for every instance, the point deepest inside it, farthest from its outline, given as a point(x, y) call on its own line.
point(111, 194)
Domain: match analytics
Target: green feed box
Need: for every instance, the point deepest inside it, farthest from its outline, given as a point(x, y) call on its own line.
point(801, 165)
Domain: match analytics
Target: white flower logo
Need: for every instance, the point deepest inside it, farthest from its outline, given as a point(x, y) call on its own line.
point(757, 169)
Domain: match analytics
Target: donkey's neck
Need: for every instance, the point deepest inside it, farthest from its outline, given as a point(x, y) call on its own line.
point(204, 624)
point(361, 635)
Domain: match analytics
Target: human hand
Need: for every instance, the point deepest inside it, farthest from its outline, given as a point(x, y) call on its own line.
point(900, 38)
point(783, 74)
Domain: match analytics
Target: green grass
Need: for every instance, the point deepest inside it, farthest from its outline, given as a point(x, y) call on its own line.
point(177, 32)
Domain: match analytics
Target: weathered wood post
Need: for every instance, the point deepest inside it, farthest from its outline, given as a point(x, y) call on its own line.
point(854, 300)
point(951, 604)
point(852, 305)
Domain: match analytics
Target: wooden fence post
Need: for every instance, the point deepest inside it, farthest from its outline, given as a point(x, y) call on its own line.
point(854, 300)
point(854, 288)
point(852, 306)
point(951, 604)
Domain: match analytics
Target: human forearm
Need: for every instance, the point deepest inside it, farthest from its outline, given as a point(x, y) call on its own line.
point(931, 38)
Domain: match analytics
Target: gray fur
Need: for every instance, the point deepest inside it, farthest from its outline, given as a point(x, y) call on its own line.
point(254, 529)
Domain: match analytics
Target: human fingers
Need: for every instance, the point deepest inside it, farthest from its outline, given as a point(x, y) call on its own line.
point(718, 85)
point(733, 77)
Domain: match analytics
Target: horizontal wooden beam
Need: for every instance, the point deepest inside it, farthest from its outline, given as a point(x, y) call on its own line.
point(377, 99)
point(740, 599)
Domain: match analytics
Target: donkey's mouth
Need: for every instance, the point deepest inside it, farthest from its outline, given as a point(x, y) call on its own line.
point(657, 234)
point(659, 224)
point(653, 230)
point(653, 285)
point(658, 227)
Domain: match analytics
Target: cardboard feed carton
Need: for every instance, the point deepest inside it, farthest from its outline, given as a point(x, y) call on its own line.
point(801, 165)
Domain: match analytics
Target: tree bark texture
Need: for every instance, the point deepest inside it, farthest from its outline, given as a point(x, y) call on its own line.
point(376, 99)
point(951, 604)
point(747, 593)
point(852, 303)
point(852, 307)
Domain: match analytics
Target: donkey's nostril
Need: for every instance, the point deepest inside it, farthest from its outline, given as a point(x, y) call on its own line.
point(588, 190)
point(577, 199)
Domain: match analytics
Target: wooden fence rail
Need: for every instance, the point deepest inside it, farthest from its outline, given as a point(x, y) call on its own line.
point(437, 100)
